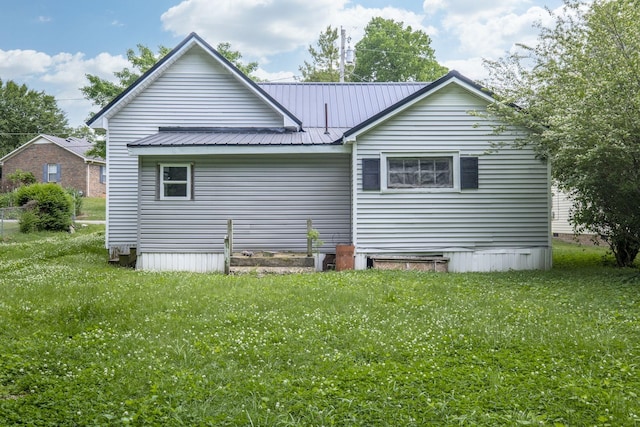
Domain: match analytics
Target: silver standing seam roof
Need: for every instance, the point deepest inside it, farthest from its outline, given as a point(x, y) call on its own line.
point(347, 105)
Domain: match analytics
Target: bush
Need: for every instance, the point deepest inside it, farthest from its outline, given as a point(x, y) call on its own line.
point(7, 200)
point(77, 197)
point(49, 203)
point(28, 222)
point(20, 178)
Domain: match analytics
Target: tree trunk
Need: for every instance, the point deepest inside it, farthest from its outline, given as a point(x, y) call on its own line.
point(625, 252)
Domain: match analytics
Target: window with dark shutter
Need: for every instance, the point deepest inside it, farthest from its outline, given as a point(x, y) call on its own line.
point(371, 174)
point(468, 173)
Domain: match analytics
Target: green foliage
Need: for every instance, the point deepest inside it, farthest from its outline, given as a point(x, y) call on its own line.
point(389, 52)
point(49, 203)
point(25, 113)
point(235, 58)
point(325, 56)
point(77, 199)
point(101, 91)
point(314, 236)
point(579, 92)
point(83, 343)
point(28, 222)
point(20, 177)
point(7, 199)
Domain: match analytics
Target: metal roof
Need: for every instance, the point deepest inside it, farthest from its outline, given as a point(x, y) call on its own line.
point(348, 104)
point(204, 137)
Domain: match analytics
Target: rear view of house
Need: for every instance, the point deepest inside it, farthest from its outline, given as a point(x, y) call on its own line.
point(395, 169)
point(60, 160)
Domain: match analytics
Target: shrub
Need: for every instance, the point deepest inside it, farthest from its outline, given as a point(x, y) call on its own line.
point(20, 178)
point(28, 222)
point(7, 200)
point(77, 197)
point(49, 203)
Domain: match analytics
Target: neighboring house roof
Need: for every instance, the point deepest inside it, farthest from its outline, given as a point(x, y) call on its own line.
point(154, 72)
point(77, 146)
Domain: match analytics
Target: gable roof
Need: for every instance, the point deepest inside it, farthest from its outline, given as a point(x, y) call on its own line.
point(157, 70)
point(77, 146)
point(451, 77)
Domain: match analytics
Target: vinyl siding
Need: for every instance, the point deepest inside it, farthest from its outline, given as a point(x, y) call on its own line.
point(268, 197)
point(561, 208)
point(195, 91)
point(509, 210)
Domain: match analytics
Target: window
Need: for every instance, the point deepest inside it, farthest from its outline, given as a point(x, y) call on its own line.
point(51, 172)
point(103, 174)
point(175, 182)
point(420, 172)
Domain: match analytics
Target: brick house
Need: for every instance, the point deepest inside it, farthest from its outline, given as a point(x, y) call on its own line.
point(60, 160)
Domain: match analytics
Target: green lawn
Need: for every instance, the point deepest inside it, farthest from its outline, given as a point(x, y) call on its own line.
point(84, 343)
point(93, 208)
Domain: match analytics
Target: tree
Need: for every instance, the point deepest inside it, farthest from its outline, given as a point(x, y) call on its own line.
point(579, 95)
point(101, 91)
point(325, 65)
point(235, 57)
point(25, 113)
point(389, 52)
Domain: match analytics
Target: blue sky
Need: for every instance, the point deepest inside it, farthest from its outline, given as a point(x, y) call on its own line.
point(51, 44)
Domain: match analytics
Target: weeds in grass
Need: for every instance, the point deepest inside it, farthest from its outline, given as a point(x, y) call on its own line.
point(85, 343)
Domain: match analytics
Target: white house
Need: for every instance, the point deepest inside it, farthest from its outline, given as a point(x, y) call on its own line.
point(396, 169)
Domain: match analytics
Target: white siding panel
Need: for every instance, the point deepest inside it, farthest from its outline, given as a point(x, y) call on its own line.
point(509, 211)
point(268, 197)
point(194, 91)
point(197, 263)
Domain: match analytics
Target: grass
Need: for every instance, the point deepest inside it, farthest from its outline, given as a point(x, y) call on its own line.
point(83, 343)
point(93, 208)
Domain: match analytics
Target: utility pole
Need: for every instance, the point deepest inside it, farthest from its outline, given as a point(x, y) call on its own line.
point(343, 36)
point(346, 56)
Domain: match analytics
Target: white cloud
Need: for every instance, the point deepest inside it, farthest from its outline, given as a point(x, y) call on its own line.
point(471, 30)
point(277, 77)
point(61, 75)
point(21, 63)
point(259, 28)
point(44, 19)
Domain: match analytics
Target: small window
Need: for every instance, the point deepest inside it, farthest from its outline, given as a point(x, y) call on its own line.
point(420, 172)
point(175, 182)
point(51, 172)
point(103, 174)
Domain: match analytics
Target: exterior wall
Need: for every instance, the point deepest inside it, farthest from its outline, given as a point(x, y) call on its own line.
point(195, 91)
point(504, 224)
point(268, 197)
point(94, 186)
point(74, 170)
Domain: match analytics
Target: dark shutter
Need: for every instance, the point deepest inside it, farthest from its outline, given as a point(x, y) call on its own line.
point(158, 181)
point(45, 173)
point(468, 173)
point(371, 174)
point(192, 180)
point(58, 173)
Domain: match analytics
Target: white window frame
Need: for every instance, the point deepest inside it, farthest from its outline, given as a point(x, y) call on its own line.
point(187, 182)
point(455, 164)
point(54, 173)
